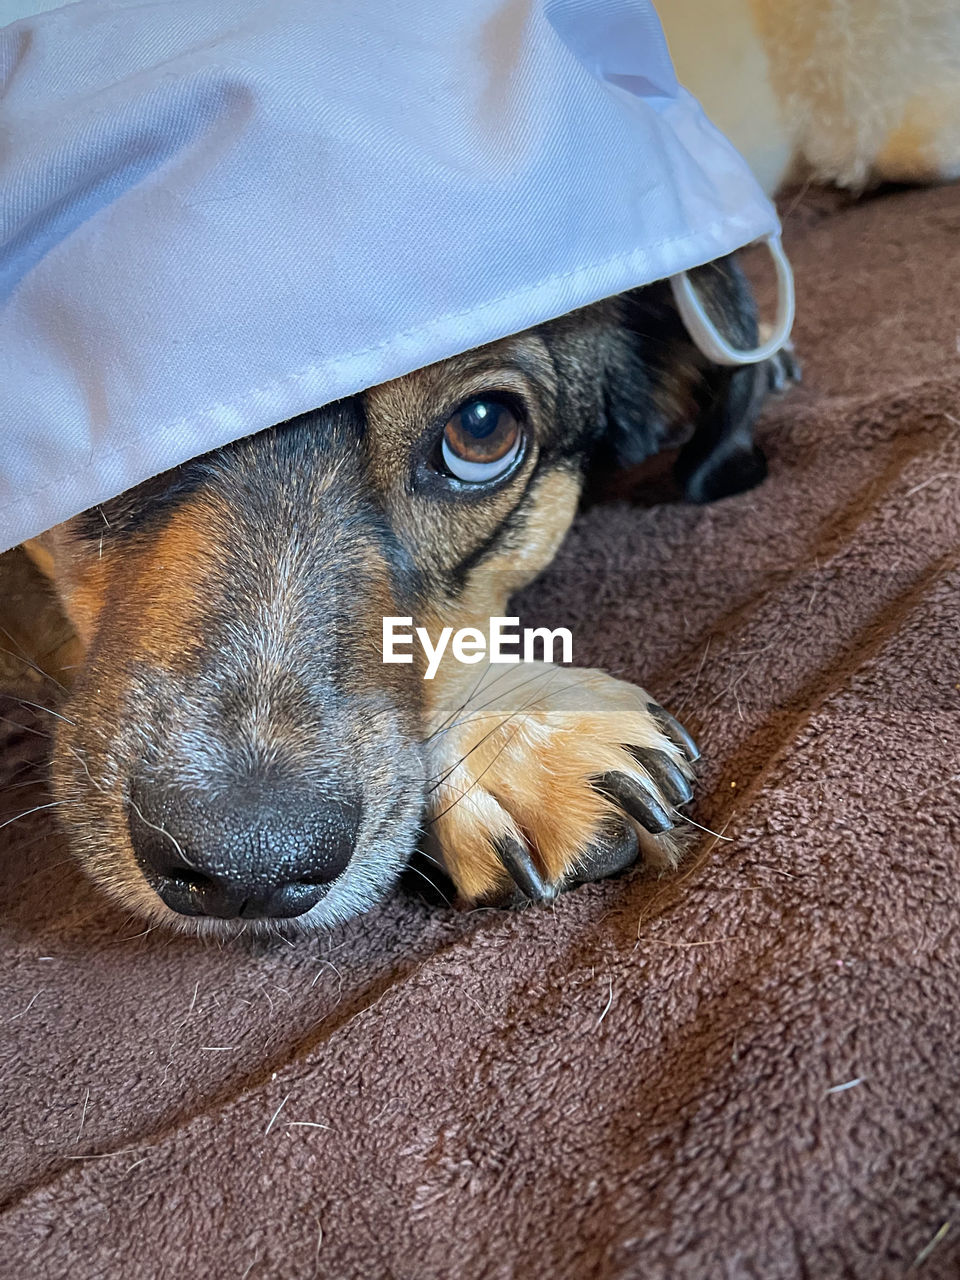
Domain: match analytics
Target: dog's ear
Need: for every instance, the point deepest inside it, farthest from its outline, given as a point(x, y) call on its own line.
point(661, 391)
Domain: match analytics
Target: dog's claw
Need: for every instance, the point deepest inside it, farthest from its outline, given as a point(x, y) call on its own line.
point(668, 776)
point(523, 871)
point(675, 731)
point(640, 784)
point(635, 799)
point(615, 848)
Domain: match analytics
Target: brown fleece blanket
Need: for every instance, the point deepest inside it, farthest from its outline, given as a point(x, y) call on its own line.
point(748, 1069)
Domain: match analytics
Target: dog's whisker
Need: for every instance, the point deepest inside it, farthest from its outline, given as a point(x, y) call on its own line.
point(132, 937)
point(474, 714)
point(708, 830)
point(476, 686)
point(431, 883)
point(25, 728)
point(53, 804)
point(445, 728)
point(526, 710)
point(477, 779)
point(422, 853)
point(18, 786)
point(162, 830)
point(28, 661)
point(483, 685)
point(38, 706)
point(522, 710)
point(86, 769)
point(479, 743)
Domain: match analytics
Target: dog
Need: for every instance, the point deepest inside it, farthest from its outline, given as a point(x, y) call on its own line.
point(234, 747)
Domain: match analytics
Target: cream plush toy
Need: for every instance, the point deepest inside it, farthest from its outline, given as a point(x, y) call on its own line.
point(851, 92)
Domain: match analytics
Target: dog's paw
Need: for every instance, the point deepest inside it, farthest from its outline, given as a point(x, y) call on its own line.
point(548, 777)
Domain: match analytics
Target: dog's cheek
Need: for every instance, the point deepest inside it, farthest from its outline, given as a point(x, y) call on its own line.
point(550, 512)
point(490, 585)
point(526, 551)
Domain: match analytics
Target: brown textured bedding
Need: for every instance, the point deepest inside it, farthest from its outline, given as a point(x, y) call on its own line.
point(750, 1069)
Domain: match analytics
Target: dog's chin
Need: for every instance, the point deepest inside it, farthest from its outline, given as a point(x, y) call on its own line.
point(369, 877)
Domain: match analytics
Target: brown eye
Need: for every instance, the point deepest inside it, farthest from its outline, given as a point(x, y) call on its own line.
point(481, 441)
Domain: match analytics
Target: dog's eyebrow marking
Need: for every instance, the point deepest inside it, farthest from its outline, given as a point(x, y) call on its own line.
point(141, 506)
point(537, 367)
point(152, 580)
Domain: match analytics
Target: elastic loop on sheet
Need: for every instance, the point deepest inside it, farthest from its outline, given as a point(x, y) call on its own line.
point(704, 332)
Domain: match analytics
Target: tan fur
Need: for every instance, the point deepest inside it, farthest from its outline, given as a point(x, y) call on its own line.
point(518, 759)
point(153, 585)
point(61, 653)
point(845, 91)
point(504, 572)
point(41, 555)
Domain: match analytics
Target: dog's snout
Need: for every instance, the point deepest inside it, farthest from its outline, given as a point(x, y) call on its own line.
point(252, 853)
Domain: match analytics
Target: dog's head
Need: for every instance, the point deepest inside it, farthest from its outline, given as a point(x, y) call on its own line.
point(234, 744)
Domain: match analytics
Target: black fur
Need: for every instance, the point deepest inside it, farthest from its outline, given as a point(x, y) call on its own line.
point(668, 393)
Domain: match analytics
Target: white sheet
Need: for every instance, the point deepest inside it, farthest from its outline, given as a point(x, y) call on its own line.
point(218, 214)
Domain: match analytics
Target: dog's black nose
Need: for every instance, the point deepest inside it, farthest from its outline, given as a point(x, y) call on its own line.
point(253, 853)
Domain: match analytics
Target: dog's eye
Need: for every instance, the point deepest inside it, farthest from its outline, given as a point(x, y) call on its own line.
point(481, 441)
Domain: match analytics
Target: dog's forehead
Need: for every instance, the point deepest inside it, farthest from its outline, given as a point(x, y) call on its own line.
point(521, 363)
point(373, 433)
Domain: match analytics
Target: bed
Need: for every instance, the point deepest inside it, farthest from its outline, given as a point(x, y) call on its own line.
point(750, 1068)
